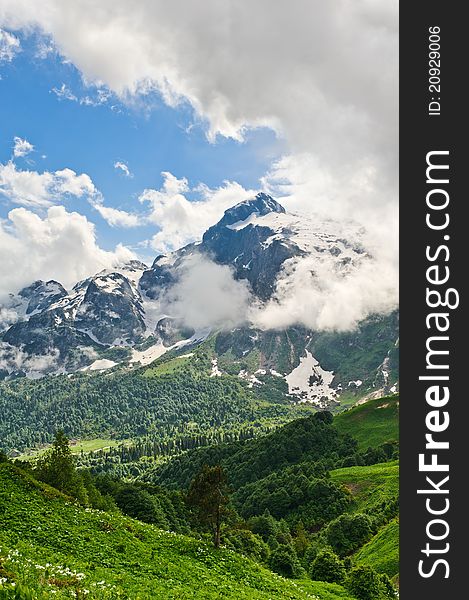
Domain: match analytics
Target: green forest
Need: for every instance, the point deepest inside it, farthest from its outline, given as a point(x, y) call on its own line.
point(174, 404)
point(304, 509)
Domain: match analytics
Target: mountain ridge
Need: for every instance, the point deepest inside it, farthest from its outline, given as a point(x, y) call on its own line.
point(123, 309)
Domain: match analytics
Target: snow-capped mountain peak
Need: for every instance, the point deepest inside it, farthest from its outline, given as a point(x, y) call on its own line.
point(261, 204)
point(41, 294)
point(110, 315)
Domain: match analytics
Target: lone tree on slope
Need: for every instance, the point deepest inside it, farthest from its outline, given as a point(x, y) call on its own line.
point(57, 468)
point(208, 497)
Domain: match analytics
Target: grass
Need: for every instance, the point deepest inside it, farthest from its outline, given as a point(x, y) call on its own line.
point(169, 366)
point(76, 446)
point(371, 485)
point(382, 551)
point(58, 549)
point(372, 423)
point(347, 400)
point(92, 445)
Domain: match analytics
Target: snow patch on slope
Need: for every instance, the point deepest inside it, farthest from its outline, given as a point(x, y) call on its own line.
point(215, 370)
point(251, 379)
point(100, 365)
point(145, 357)
point(310, 382)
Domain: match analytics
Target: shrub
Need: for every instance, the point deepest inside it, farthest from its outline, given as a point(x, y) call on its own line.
point(247, 543)
point(284, 561)
point(19, 592)
point(139, 504)
point(348, 532)
point(327, 566)
point(324, 416)
point(366, 584)
point(389, 589)
point(265, 525)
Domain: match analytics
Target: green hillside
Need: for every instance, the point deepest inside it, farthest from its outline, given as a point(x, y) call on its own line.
point(371, 485)
point(55, 548)
point(382, 552)
point(303, 440)
point(375, 491)
point(372, 423)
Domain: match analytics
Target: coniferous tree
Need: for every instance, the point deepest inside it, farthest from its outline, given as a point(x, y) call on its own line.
point(57, 468)
point(208, 497)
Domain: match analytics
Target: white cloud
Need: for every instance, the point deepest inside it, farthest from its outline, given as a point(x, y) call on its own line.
point(64, 93)
point(332, 299)
point(60, 246)
point(68, 182)
point(121, 166)
point(286, 66)
point(13, 359)
point(206, 295)
point(319, 297)
point(9, 46)
point(41, 190)
point(117, 218)
point(182, 220)
point(33, 189)
point(44, 48)
point(8, 316)
point(302, 185)
point(101, 96)
point(21, 147)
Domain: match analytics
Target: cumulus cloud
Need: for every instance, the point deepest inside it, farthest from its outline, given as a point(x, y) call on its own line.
point(332, 299)
point(9, 46)
point(121, 166)
point(356, 195)
point(117, 218)
point(326, 81)
point(206, 295)
point(181, 220)
point(321, 73)
point(8, 316)
point(319, 297)
point(41, 190)
point(21, 147)
point(33, 189)
point(14, 359)
point(60, 246)
point(322, 295)
point(313, 292)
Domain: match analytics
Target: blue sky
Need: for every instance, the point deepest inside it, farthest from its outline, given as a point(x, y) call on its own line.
point(146, 135)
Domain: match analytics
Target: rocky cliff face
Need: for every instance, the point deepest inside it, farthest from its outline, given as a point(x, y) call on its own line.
point(41, 294)
point(111, 311)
